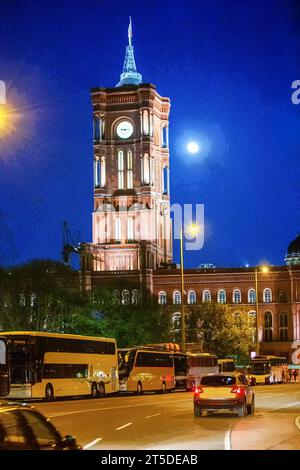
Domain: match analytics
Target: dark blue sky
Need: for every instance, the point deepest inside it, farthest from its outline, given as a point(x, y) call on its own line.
point(227, 66)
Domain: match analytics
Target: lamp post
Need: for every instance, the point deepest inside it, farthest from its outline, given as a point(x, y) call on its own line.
point(256, 316)
point(193, 230)
point(264, 269)
point(182, 294)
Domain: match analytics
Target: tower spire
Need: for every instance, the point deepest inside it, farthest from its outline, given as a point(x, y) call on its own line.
point(129, 76)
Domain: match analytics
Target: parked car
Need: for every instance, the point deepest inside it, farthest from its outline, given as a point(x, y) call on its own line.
point(224, 391)
point(24, 428)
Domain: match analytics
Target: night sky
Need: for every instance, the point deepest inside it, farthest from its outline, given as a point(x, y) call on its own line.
point(227, 66)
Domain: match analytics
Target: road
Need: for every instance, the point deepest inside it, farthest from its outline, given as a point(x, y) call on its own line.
point(154, 422)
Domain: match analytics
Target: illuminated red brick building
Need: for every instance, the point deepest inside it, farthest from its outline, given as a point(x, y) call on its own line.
point(132, 230)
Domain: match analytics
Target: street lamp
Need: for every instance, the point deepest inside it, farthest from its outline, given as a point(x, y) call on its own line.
point(193, 230)
point(264, 270)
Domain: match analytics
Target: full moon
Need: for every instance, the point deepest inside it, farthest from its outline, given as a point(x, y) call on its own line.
point(192, 147)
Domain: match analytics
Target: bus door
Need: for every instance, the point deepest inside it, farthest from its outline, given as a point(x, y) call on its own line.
point(4, 368)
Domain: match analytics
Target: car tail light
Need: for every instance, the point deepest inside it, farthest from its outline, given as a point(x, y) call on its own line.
point(238, 390)
point(198, 390)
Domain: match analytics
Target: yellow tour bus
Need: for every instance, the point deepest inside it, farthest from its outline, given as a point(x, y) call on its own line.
point(199, 364)
point(226, 365)
point(49, 365)
point(144, 369)
point(268, 370)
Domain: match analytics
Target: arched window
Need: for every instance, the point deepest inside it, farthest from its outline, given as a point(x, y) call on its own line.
point(118, 234)
point(282, 296)
point(125, 297)
point(236, 296)
point(251, 296)
point(176, 321)
point(268, 327)
point(32, 300)
point(22, 300)
point(102, 172)
point(206, 296)
point(236, 315)
point(221, 296)
point(120, 169)
point(116, 296)
point(192, 298)
point(162, 298)
point(267, 296)
point(283, 327)
point(176, 297)
point(135, 297)
point(130, 236)
point(129, 170)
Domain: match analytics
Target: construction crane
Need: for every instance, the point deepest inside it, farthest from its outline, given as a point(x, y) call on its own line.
point(69, 245)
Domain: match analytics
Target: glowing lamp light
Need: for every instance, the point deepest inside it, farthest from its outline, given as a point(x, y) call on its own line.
point(193, 229)
point(193, 147)
point(2, 92)
point(265, 269)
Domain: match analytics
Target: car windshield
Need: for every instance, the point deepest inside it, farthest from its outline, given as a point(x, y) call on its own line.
point(218, 380)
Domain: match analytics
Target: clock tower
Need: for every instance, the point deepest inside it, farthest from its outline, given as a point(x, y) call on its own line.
point(132, 228)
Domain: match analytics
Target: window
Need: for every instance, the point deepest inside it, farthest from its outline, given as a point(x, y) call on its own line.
point(236, 296)
point(120, 169)
point(176, 297)
point(125, 297)
point(102, 172)
point(146, 169)
point(118, 234)
point(192, 298)
point(162, 298)
point(283, 326)
point(251, 296)
point(149, 359)
point(135, 297)
point(129, 170)
point(222, 296)
point(32, 300)
point(282, 297)
point(116, 296)
point(268, 327)
point(176, 321)
point(130, 236)
point(267, 296)
point(206, 296)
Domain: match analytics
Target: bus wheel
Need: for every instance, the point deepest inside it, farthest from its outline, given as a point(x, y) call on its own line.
point(101, 390)
point(49, 393)
point(139, 389)
point(94, 391)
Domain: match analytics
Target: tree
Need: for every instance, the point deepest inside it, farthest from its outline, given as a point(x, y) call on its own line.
point(131, 324)
point(221, 330)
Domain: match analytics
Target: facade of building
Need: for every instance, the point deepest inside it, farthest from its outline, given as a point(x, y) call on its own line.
point(131, 248)
point(132, 228)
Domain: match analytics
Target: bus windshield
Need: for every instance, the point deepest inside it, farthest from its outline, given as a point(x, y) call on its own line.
point(260, 368)
point(18, 358)
point(4, 369)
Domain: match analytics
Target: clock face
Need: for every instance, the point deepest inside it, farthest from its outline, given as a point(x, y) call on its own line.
point(124, 129)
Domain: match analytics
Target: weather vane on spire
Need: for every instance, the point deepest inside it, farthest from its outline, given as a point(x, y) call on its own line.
point(130, 75)
point(130, 31)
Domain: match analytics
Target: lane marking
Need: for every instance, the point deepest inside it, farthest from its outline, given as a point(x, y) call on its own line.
point(227, 440)
point(267, 396)
point(92, 443)
point(64, 413)
point(152, 416)
point(124, 426)
point(297, 422)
